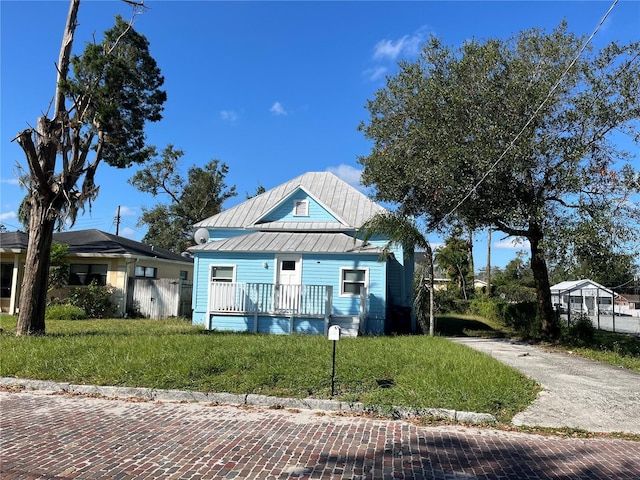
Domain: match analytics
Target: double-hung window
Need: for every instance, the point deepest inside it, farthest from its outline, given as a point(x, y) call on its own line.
point(353, 280)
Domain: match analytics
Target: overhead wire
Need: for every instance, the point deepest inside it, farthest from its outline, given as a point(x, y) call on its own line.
point(534, 114)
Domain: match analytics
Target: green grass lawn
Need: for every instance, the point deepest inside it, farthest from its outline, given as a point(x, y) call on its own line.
point(412, 371)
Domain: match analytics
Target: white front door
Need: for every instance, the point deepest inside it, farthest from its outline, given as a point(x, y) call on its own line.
point(289, 282)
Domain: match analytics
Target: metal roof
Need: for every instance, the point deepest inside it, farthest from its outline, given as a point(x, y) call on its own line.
point(576, 285)
point(350, 207)
point(292, 242)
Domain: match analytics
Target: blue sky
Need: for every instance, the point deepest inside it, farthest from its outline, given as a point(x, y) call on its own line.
point(272, 89)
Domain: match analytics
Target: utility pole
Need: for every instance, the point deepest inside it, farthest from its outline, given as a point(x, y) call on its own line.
point(118, 221)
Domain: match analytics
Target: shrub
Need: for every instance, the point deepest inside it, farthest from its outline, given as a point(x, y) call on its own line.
point(580, 330)
point(521, 317)
point(449, 302)
point(64, 312)
point(95, 300)
point(490, 308)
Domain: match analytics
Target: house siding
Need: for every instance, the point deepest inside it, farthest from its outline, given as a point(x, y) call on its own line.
point(317, 213)
point(317, 269)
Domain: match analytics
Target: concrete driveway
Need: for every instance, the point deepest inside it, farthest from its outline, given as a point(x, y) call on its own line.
point(577, 393)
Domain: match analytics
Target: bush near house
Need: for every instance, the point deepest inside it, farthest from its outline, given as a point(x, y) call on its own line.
point(64, 312)
point(92, 301)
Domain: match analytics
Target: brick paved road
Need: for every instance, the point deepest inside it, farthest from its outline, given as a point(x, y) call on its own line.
point(62, 436)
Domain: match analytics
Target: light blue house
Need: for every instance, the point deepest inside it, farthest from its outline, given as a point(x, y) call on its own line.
point(287, 261)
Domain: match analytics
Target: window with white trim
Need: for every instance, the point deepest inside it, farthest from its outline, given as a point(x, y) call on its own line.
point(222, 273)
point(301, 208)
point(353, 280)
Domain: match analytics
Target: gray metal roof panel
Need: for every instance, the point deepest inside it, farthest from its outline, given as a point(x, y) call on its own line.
point(341, 199)
point(306, 242)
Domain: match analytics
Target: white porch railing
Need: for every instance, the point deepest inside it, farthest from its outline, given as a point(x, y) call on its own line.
point(257, 298)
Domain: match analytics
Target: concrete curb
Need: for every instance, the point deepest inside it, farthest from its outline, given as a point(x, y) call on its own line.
point(151, 394)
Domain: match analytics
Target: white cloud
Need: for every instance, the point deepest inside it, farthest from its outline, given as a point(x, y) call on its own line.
point(375, 73)
point(278, 109)
point(128, 233)
point(10, 181)
point(229, 115)
point(127, 211)
point(349, 174)
point(513, 243)
point(407, 46)
point(8, 215)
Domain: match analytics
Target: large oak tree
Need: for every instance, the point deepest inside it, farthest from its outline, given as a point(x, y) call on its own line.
point(102, 102)
point(510, 134)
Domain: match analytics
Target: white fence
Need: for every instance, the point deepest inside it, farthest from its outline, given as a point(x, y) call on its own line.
point(298, 300)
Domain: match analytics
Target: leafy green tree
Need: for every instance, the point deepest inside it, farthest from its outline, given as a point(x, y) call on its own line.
point(59, 266)
point(114, 90)
point(594, 253)
point(195, 198)
point(515, 283)
point(515, 135)
point(454, 258)
point(399, 229)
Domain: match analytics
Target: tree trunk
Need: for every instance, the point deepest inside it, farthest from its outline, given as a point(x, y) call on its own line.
point(45, 197)
point(549, 321)
point(33, 296)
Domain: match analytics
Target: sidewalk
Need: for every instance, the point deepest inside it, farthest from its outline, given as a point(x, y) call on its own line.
point(578, 393)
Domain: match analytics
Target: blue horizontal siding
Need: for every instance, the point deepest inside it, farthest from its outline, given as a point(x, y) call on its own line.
point(317, 213)
point(317, 269)
point(325, 270)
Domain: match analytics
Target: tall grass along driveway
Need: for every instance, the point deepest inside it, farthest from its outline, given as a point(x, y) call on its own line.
point(411, 371)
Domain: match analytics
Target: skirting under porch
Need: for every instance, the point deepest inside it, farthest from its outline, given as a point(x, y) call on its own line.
point(283, 325)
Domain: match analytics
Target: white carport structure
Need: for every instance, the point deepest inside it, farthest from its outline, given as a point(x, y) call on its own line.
point(583, 297)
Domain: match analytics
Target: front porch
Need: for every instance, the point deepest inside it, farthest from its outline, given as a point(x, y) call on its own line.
point(281, 308)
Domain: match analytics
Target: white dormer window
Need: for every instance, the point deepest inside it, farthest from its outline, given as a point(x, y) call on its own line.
point(301, 208)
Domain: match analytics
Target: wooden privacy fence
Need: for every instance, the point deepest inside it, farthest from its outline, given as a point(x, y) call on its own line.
point(158, 298)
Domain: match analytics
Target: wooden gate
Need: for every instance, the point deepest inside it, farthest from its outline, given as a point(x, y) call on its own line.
point(158, 298)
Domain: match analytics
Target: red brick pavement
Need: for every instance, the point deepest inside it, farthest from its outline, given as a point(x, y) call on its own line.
point(63, 436)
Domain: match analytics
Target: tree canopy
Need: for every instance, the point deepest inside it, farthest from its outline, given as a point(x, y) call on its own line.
point(517, 135)
point(99, 114)
point(200, 195)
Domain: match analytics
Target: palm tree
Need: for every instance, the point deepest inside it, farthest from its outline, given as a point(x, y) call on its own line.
point(400, 229)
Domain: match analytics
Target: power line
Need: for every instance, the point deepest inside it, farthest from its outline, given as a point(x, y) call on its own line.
point(533, 115)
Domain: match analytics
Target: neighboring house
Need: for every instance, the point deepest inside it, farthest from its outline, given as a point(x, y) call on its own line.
point(628, 304)
point(145, 279)
point(583, 296)
point(440, 281)
point(288, 261)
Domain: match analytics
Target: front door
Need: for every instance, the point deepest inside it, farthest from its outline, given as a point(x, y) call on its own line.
point(288, 283)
